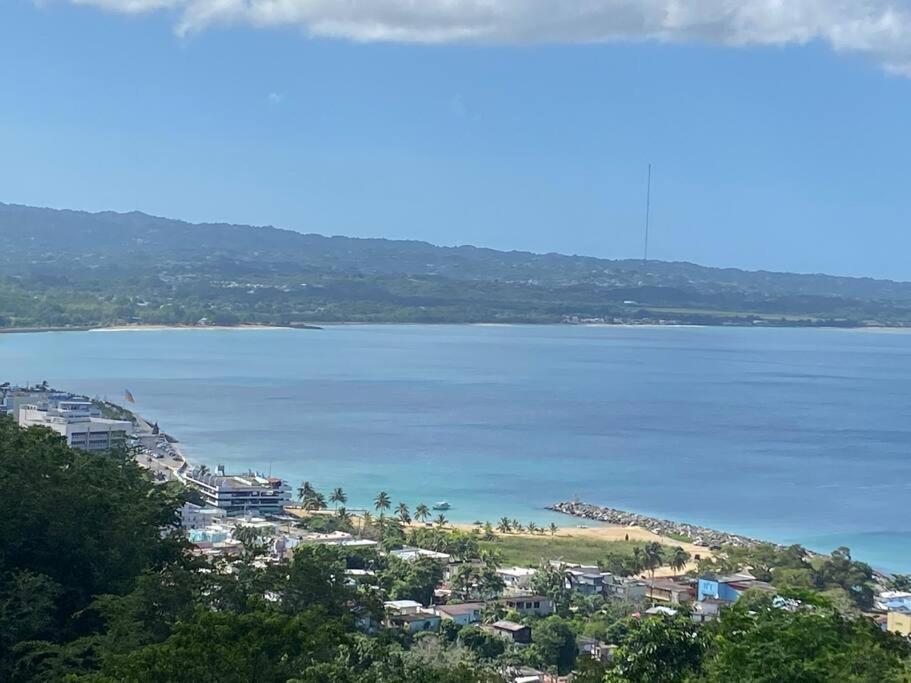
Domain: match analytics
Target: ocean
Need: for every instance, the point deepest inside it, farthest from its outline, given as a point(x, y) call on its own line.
point(794, 435)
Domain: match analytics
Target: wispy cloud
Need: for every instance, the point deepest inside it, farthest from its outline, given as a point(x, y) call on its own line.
point(878, 29)
point(275, 98)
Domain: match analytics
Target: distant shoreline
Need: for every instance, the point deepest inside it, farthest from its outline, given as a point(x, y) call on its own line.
point(349, 323)
point(149, 327)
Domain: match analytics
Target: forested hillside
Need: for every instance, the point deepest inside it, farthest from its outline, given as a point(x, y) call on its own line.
point(75, 268)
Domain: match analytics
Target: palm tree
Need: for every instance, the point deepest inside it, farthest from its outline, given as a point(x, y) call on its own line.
point(505, 526)
point(403, 514)
point(638, 561)
point(653, 554)
point(553, 529)
point(305, 491)
point(491, 557)
point(366, 521)
point(517, 526)
point(315, 501)
point(382, 502)
point(492, 611)
point(488, 531)
point(421, 513)
point(532, 527)
point(678, 559)
point(339, 497)
point(441, 520)
point(344, 517)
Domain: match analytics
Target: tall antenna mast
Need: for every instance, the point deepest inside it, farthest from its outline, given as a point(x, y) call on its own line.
point(648, 204)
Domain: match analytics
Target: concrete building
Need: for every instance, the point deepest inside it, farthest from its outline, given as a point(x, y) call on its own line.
point(516, 577)
point(462, 614)
point(899, 621)
point(624, 588)
point(410, 554)
point(78, 421)
point(668, 591)
point(585, 582)
point(534, 605)
point(199, 517)
point(239, 494)
point(510, 630)
point(410, 616)
point(729, 588)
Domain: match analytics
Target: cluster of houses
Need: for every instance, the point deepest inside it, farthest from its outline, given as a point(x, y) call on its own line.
point(213, 531)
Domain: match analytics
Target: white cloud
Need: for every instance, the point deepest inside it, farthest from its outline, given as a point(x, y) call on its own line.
point(879, 29)
point(275, 98)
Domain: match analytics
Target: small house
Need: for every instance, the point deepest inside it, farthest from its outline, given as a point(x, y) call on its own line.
point(462, 614)
point(529, 605)
point(510, 630)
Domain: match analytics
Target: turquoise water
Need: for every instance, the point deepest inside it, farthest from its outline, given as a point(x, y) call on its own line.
point(793, 435)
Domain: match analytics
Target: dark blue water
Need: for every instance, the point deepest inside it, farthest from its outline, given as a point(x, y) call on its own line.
point(791, 435)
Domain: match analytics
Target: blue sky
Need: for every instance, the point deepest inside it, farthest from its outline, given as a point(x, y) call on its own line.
point(768, 152)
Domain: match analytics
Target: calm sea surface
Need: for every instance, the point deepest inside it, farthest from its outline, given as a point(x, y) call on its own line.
point(791, 435)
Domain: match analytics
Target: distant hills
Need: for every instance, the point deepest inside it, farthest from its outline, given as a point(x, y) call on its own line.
point(62, 268)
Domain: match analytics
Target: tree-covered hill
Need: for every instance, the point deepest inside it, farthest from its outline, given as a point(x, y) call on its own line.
point(77, 268)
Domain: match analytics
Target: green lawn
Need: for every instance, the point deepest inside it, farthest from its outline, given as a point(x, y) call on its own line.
point(528, 551)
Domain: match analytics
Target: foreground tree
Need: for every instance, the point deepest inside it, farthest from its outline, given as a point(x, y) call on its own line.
point(759, 641)
point(661, 648)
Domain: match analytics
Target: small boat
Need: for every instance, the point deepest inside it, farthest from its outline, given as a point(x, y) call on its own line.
point(442, 505)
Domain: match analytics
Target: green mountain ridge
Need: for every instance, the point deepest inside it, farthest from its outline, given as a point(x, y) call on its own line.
point(78, 268)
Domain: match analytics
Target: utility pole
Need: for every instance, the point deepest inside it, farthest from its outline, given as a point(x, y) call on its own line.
point(648, 203)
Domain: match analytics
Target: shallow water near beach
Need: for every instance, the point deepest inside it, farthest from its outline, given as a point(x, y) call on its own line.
point(795, 435)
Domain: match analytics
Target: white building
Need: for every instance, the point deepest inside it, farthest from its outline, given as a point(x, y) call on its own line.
point(516, 577)
point(79, 421)
point(410, 554)
point(239, 494)
point(199, 517)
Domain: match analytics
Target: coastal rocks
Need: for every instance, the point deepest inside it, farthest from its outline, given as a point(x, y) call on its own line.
point(697, 534)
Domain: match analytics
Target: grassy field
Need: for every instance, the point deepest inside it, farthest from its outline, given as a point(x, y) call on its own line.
point(529, 550)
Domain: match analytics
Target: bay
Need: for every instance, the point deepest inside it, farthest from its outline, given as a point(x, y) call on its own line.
point(795, 435)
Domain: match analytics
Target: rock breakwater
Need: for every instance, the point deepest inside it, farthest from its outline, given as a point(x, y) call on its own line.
point(699, 535)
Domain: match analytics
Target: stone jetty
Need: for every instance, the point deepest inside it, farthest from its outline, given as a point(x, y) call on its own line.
point(699, 535)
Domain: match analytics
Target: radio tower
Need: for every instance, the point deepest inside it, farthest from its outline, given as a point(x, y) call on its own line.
point(648, 202)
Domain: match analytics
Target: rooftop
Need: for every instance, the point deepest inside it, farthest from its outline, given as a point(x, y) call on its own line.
point(461, 608)
point(505, 625)
point(402, 604)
